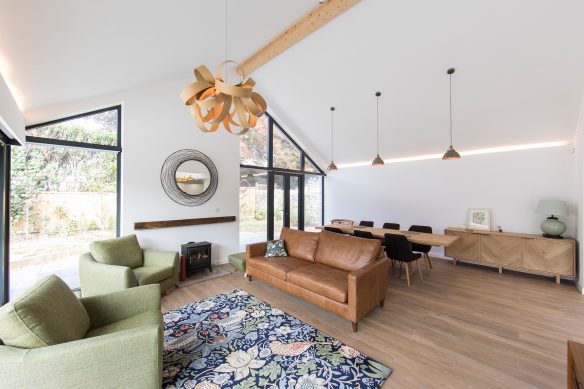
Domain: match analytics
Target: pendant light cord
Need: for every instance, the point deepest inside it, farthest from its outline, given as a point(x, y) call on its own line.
point(225, 71)
point(377, 95)
point(332, 133)
point(450, 78)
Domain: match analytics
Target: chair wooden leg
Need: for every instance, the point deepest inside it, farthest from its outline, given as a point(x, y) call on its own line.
point(419, 269)
point(355, 324)
point(382, 303)
point(428, 259)
point(407, 274)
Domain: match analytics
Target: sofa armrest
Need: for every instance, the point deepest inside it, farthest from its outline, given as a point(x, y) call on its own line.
point(99, 278)
point(255, 250)
point(113, 307)
point(160, 258)
point(122, 359)
point(367, 287)
point(163, 258)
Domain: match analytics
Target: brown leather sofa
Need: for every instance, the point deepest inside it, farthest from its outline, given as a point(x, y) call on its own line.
point(341, 273)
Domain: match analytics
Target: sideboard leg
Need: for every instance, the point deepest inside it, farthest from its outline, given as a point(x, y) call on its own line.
point(454, 261)
point(558, 279)
point(500, 269)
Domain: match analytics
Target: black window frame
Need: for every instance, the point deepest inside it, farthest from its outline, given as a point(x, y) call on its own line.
point(271, 170)
point(5, 156)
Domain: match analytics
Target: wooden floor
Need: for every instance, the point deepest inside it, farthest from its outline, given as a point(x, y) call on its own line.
point(462, 327)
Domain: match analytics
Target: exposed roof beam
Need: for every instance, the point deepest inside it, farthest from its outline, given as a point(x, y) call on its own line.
point(311, 22)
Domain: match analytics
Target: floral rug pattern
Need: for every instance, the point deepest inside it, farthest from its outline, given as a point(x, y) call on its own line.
point(235, 340)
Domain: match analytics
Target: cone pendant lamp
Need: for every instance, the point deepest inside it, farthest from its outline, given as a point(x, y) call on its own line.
point(332, 165)
point(451, 153)
point(377, 161)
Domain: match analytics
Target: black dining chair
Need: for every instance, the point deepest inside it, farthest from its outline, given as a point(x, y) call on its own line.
point(365, 223)
point(334, 229)
point(398, 249)
point(422, 248)
point(363, 234)
point(391, 226)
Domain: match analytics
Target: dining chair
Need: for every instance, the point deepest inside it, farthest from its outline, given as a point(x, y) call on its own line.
point(398, 249)
point(391, 226)
point(363, 234)
point(334, 229)
point(365, 223)
point(422, 248)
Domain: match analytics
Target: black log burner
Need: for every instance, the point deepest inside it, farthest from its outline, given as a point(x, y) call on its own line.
point(196, 256)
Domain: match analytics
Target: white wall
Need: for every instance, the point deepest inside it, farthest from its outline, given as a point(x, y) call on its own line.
point(156, 124)
point(11, 120)
point(579, 183)
point(438, 193)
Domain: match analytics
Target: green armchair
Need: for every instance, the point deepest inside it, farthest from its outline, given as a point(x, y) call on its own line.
point(59, 341)
point(118, 264)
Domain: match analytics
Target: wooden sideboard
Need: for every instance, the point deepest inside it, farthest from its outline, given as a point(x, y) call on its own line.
point(526, 252)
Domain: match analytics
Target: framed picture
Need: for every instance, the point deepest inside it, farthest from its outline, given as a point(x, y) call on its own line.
point(479, 219)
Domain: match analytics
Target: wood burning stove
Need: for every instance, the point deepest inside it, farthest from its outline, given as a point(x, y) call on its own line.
point(196, 256)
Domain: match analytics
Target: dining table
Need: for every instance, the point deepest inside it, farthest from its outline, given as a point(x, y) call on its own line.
point(424, 238)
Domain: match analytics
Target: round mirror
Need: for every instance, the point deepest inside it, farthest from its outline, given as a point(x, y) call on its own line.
point(189, 177)
point(192, 177)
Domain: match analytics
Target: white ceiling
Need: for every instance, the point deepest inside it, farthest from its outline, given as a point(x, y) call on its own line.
point(519, 77)
point(64, 50)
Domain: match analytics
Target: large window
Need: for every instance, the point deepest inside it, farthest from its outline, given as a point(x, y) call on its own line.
point(64, 193)
point(280, 186)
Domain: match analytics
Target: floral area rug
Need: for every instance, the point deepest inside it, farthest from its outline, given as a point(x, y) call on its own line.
point(235, 340)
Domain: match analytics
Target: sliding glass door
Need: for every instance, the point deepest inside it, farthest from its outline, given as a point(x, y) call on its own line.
point(64, 192)
point(286, 202)
point(280, 185)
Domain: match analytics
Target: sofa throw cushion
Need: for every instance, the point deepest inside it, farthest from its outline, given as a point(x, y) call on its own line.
point(124, 251)
point(48, 313)
point(300, 244)
point(346, 252)
point(276, 248)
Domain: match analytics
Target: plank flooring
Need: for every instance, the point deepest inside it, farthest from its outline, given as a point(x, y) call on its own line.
point(463, 326)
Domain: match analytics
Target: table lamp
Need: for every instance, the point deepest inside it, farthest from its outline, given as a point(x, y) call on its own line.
point(552, 227)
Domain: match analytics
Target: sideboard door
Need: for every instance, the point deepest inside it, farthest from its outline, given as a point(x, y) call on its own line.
point(549, 255)
point(502, 250)
point(465, 247)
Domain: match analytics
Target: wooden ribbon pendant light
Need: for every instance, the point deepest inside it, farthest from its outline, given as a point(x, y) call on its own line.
point(213, 101)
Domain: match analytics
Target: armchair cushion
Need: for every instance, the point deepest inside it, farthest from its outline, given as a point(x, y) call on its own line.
point(152, 274)
point(48, 313)
point(130, 323)
point(124, 251)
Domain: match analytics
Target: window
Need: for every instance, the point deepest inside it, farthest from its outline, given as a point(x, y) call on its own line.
point(280, 186)
point(64, 190)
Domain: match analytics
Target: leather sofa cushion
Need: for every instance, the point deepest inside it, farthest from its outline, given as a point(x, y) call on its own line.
point(324, 280)
point(278, 266)
point(48, 313)
point(124, 251)
point(346, 252)
point(300, 244)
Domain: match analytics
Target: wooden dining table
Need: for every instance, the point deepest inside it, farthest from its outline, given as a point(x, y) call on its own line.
point(412, 236)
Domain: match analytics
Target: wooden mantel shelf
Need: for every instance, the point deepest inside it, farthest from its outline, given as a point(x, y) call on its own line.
point(182, 222)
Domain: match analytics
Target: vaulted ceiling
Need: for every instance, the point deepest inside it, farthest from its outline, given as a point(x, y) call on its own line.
point(519, 64)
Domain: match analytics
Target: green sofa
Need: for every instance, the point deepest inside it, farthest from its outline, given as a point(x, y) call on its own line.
point(117, 264)
point(51, 339)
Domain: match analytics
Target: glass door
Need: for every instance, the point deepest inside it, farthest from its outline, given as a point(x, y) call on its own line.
point(287, 202)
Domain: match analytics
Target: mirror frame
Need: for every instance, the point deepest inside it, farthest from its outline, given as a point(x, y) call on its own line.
point(168, 177)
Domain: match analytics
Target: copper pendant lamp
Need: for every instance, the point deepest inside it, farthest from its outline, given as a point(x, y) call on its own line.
point(332, 165)
point(377, 161)
point(451, 153)
point(214, 101)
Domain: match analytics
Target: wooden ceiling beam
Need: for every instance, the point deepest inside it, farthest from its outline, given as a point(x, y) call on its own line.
point(311, 22)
